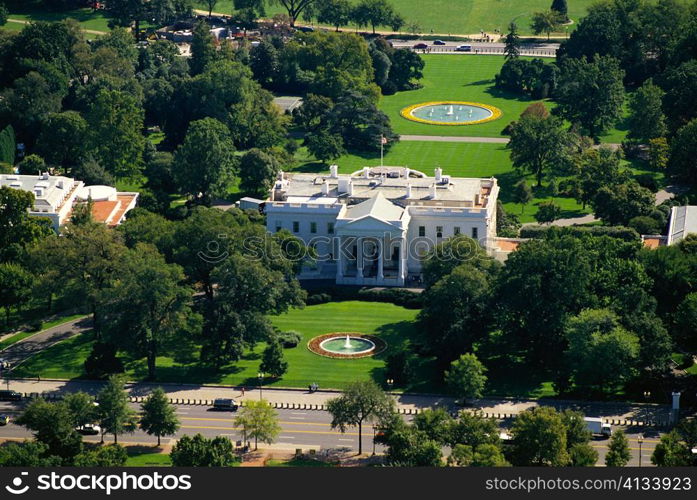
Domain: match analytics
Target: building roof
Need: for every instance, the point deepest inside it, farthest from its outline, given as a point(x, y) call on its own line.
point(377, 206)
point(49, 191)
point(683, 221)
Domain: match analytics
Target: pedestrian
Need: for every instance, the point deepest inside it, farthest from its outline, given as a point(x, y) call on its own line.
point(309, 388)
point(38, 378)
point(243, 391)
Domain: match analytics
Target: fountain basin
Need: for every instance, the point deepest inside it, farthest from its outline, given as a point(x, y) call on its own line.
point(346, 345)
point(451, 113)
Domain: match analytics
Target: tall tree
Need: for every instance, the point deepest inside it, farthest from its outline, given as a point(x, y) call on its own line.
point(361, 402)
point(591, 93)
point(15, 288)
point(671, 451)
point(159, 417)
point(618, 454)
point(204, 165)
point(202, 48)
point(539, 438)
point(374, 13)
point(62, 139)
point(683, 152)
point(52, 425)
point(335, 13)
point(545, 22)
point(294, 7)
point(211, 5)
point(512, 48)
point(560, 7)
point(466, 377)
point(259, 421)
point(621, 203)
point(258, 170)
point(199, 451)
point(538, 145)
point(81, 407)
point(522, 194)
point(646, 118)
point(115, 416)
point(272, 360)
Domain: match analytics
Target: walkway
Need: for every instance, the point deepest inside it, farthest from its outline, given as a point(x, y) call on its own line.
point(443, 138)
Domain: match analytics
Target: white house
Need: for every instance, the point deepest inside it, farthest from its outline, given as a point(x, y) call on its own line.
point(55, 196)
point(373, 226)
point(683, 221)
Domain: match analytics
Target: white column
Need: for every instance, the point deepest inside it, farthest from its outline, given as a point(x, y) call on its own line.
point(402, 259)
point(381, 258)
point(340, 260)
point(359, 257)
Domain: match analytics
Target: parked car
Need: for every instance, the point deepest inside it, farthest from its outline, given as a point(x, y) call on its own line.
point(10, 396)
point(305, 29)
point(4, 419)
point(438, 42)
point(464, 48)
point(419, 46)
point(225, 404)
point(89, 429)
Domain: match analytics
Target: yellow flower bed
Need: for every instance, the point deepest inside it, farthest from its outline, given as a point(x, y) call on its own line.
point(495, 112)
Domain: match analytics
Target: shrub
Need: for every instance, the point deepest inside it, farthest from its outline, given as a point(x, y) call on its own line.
point(648, 181)
point(35, 325)
point(645, 225)
point(289, 339)
point(621, 232)
point(318, 298)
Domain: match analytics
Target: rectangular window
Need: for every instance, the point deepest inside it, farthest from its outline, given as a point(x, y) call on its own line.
point(296, 226)
point(278, 226)
point(475, 233)
point(456, 230)
point(422, 231)
point(313, 227)
point(330, 228)
point(439, 231)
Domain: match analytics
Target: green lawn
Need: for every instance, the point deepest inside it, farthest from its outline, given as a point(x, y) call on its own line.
point(142, 456)
point(456, 16)
point(458, 159)
point(298, 462)
point(465, 78)
point(89, 19)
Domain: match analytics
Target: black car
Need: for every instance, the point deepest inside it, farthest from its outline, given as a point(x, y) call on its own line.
point(225, 404)
point(438, 42)
point(420, 46)
point(10, 396)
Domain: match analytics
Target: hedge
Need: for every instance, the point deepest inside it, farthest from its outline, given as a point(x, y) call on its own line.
point(621, 232)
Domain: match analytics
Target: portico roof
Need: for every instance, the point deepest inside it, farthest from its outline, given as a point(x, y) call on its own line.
point(378, 206)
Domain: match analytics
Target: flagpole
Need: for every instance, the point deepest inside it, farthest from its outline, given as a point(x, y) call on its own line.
point(382, 147)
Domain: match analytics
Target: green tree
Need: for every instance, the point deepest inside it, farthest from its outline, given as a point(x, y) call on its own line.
point(547, 212)
point(147, 306)
point(618, 454)
point(561, 8)
point(545, 22)
point(259, 421)
point(473, 430)
point(361, 402)
point(522, 194)
point(258, 171)
point(617, 205)
point(115, 416)
point(335, 13)
point(202, 48)
point(539, 438)
point(8, 146)
point(81, 407)
point(15, 288)
point(211, 5)
point(62, 139)
point(204, 165)
point(591, 93)
point(127, 12)
point(466, 377)
point(646, 118)
point(671, 451)
point(32, 165)
point(17, 230)
point(272, 360)
point(159, 417)
point(583, 455)
point(113, 455)
point(538, 145)
point(199, 451)
point(294, 7)
point(512, 48)
point(52, 425)
point(659, 153)
point(115, 121)
point(374, 13)
point(27, 454)
point(4, 13)
point(410, 447)
point(683, 152)
point(265, 63)
point(325, 146)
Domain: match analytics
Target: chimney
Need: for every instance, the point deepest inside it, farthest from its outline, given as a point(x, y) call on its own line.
point(408, 190)
point(333, 171)
point(280, 175)
point(325, 188)
point(434, 193)
point(349, 190)
point(406, 172)
point(366, 172)
point(439, 174)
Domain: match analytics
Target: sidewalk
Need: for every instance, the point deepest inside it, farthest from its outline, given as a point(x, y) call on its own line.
point(610, 410)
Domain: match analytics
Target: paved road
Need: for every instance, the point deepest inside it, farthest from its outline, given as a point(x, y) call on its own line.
point(301, 429)
point(20, 351)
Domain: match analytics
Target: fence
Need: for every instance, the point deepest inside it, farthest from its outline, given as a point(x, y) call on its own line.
point(485, 50)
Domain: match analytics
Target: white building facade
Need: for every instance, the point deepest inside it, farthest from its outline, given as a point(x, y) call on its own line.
point(374, 226)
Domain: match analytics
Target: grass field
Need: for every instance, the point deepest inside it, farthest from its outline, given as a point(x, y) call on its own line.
point(456, 16)
point(89, 19)
point(464, 78)
point(145, 456)
point(459, 159)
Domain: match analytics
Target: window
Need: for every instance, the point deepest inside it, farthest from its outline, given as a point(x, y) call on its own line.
point(439, 231)
point(422, 231)
point(278, 226)
point(313, 227)
point(296, 226)
point(456, 230)
point(330, 227)
point(475, 233)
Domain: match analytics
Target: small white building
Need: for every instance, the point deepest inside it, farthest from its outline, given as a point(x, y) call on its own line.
point(55, 196)
point(683, 221)
point(372, 227)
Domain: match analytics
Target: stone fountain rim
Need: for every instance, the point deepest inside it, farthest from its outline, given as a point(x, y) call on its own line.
point(313, 345)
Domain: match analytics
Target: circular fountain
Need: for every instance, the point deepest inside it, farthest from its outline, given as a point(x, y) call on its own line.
point(451, 113)
point(346, 345)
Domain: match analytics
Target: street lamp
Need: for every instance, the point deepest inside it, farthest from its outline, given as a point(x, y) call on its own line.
point(390, 383)
point(260, 376)
point(373, 439)
point(647, 396)
point(640, 440)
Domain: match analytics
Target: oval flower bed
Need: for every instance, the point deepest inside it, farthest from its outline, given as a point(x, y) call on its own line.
point(314, 345)
point(407, 112)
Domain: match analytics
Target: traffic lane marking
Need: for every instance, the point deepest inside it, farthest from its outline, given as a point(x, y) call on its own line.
point(292, 432)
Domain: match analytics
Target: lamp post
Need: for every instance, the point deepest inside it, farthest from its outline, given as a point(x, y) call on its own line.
point(373, 439)
point(390, 383)
point(640, 440)
point(260, 376)
point(647, 397)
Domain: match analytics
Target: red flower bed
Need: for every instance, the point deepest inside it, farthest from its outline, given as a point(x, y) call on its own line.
point(314, 345)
